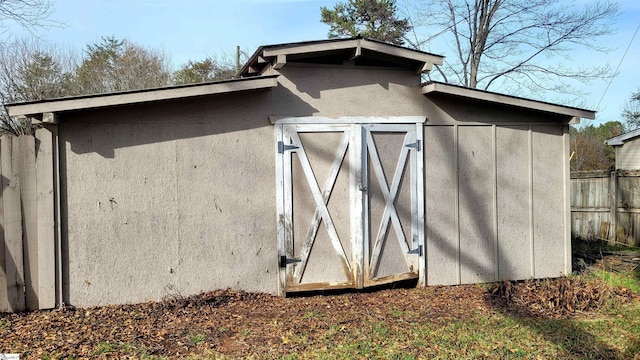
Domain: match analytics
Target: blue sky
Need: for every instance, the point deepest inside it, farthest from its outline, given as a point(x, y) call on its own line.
point(194, 29)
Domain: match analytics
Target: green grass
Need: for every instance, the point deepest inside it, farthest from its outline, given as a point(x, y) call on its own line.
point(119, 349)
point(197, 338)
point(103, 348)
point(493, 333)
point(312, 315)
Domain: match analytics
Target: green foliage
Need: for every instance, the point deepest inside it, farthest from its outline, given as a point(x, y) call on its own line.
point(375, 19)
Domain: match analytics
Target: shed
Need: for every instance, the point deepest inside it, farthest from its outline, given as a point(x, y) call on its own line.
point(627, 148)
point(327, 165)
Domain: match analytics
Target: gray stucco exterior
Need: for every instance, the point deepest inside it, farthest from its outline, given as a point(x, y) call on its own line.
point(178, 195)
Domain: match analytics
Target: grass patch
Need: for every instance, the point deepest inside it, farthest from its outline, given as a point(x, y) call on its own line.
point(312, 315)
point(103, 348)
point(495, 336)
point(493, 333)
point(119, 349)
point(197, 338)
point(624, 279)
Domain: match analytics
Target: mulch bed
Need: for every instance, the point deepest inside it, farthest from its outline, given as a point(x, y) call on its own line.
point(239, 324)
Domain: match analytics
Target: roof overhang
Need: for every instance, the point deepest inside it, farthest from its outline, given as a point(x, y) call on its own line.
point(622, 138)
point(349, 49)
point(514, 101)
point(36, 109)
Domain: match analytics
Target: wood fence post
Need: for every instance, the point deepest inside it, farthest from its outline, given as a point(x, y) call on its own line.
point(613, 204)
point(46, 221)
point(29, 218)
point(12, 223)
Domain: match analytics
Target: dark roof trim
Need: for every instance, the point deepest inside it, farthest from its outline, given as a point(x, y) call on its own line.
point(433, 87)
point(270, 53)
point(37, 108)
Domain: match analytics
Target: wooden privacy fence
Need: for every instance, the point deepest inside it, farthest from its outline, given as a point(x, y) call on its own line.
point(27, 226)
point(606, 205)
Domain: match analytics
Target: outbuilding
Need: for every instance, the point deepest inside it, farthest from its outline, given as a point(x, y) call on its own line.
point(627, 147)
point(327, 165)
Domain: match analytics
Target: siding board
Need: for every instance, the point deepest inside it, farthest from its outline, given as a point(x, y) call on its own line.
point(513, 203)
point(476, 177)
point(548, 227)
point(442, 247)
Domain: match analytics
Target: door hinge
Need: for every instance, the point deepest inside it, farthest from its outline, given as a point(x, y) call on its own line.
point(284, 261)
point(415, 145)
point(416, 251)
point(282, 147)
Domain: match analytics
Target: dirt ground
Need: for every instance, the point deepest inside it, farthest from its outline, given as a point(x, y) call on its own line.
point(232, 323)
point(238, 324)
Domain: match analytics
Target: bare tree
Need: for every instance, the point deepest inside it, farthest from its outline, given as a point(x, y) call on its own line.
point(511, 42)
point(631, 111)
point(209, 69)
point(119, 65)
point(31, 70)
point(588, 150)
point(29, 14)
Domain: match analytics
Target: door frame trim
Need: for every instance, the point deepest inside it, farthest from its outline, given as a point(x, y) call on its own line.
point(346, 120)
point(342, 121)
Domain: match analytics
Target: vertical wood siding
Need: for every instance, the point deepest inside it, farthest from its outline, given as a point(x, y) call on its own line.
point(495, 204)
point(628, 155)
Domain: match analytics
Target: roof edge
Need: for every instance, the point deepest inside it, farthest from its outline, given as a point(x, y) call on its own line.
point(620, 139)
point(434, 87)
point(267, 53)
point(31, 108)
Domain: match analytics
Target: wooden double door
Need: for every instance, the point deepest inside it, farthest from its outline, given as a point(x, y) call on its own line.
point(350, 204)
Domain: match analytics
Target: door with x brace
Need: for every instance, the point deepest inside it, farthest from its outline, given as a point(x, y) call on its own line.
point(350, 204)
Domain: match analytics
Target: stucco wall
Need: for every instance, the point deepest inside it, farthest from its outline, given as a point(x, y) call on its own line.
point(179, 197)
point(628, 155)
point(168, 200)
point(347, 91)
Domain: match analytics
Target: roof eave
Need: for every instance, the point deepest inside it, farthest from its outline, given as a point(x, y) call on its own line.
point(622, 138)
point(36, 108)
point(279, 53)
point(491, 97)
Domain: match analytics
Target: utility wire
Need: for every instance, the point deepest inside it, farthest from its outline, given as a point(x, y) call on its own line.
point(618, 68)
